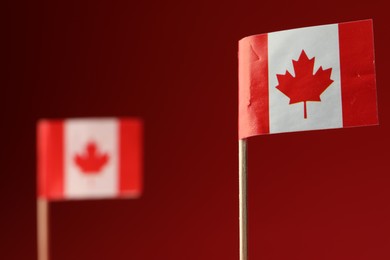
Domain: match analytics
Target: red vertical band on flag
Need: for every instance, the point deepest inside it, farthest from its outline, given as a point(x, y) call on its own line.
point(253, 101)
point(130, 157)
point(357, 67)
point(50, 159)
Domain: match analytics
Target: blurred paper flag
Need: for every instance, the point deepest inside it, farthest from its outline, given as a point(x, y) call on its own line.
point(309, 78)
point(89, 158)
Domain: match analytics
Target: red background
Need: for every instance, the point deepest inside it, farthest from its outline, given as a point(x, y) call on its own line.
point(312, 195)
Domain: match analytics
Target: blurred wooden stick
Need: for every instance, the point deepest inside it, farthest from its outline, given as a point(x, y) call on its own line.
point(43, 228)
point(242, 173)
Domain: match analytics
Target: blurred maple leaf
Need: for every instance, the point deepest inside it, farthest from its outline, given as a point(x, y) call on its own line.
point(304, 86)
point(91, 161)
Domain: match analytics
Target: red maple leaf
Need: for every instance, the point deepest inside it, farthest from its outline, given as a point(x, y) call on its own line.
point(304, 86)
point(91, 161)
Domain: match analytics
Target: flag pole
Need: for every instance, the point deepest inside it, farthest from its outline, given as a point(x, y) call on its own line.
point(242, 175)
point(43, 228)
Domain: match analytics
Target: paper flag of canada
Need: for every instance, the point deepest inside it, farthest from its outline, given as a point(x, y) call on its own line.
point(309, 78)
point(89, 158)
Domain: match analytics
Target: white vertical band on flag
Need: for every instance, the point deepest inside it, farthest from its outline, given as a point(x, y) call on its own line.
point(322, 43)
point(78, 133)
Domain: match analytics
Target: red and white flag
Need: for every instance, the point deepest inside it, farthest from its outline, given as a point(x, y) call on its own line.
point(89, 158)
point(310, 78)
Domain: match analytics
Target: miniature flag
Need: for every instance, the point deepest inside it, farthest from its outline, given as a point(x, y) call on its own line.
point(89, 158)
point(309, 78)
